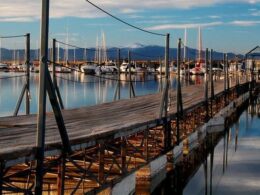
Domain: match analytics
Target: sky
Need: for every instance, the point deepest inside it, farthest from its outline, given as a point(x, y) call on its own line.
point(227, 25)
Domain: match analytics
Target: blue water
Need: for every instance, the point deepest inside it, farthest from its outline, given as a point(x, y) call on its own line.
point(247, 128)
point(79, 90)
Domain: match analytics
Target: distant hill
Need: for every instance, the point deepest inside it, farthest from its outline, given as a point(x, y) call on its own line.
point(138, 52)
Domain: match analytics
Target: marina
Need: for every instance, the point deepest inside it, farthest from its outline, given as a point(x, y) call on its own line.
point(128, 118)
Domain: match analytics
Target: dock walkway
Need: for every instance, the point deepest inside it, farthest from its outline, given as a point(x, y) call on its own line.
point(86, 125)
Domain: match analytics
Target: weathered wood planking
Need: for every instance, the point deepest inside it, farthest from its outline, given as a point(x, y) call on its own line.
point(18, 134)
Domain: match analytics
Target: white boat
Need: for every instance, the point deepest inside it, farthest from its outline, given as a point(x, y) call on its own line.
point(22, 67)
point(3, 67)
point(151, 70)
point(217, 70)
point(199, 69)
point(125, 67)
point(172, 69)
point(109, 67)
point(90, 68)
point(141, 70)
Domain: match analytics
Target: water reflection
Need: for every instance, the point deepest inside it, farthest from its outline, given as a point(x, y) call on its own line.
point(79, 90)
point(205, 167)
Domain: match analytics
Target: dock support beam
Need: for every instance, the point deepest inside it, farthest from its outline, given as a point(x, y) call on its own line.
point(101, 169)
point(54, 73)
point(61, 175)
point(206, 87)
point(179, 95)
point(26, 88)
point(40, 140)
point(123, 156)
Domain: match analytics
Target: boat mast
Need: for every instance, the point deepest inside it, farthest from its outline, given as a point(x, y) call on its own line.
point(185, 44)
point(200, 46)
point(97, 51)
point(67, 47)
point(104, 49)
point(58, 52)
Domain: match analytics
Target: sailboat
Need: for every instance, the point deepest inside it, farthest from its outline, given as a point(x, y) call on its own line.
point(64, 69)
point(101, 64)
point(184, 70)
point(200, 65)
point(106, 66)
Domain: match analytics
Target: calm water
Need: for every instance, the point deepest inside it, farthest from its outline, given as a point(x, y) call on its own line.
point(77, 89)
point(235, 162)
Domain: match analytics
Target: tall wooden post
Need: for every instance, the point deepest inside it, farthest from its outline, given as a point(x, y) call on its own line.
point(237, 74)
point(54, 59)
point(179, 95)
point(211, 82)
point(40, 139)
point(164, 100)
point(227, 72)
point(28, 73)
point(130, 74)
point(206, 86)
point(225, 78)
point(119, 72)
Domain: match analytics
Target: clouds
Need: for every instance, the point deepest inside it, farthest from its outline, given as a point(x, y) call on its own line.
point(22, 11)
point(182, 26)
point(241, 23)
point(244, 23)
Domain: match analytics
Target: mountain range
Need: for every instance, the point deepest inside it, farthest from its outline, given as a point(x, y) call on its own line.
point(138, 52)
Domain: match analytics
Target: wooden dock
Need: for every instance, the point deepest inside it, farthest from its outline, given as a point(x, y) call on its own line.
point(107, 140)
point(88, 124)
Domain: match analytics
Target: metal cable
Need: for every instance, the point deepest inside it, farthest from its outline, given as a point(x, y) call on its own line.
point(8, 37)
point(77, 47)
point(120, 20)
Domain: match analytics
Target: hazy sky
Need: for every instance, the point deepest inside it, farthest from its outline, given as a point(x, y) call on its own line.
point(227, 25)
